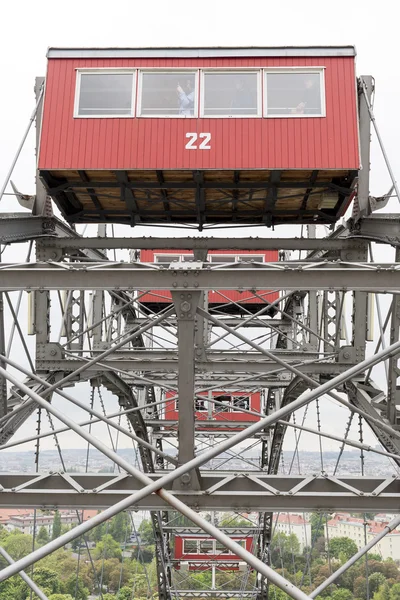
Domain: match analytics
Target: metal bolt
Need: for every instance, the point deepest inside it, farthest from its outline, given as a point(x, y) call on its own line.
point(185, 478)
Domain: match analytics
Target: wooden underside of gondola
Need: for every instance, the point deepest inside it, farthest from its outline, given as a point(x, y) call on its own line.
point(245, 197)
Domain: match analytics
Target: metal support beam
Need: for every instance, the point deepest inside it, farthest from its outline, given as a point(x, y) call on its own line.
point(146, 481)
point(129, 364)
point(3, 381)
point(383, 278)
point(393, 396)
point(203, 243)
point(42, 205)
point(361, 207)
point(186, 304)
point(248, 492)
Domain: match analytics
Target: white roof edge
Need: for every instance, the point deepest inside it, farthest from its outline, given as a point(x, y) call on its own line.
point(282, 51)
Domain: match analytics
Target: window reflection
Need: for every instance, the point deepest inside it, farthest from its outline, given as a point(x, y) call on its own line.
point(294, 94)
point(108, 94)
point(230, 94)
point(170, 94)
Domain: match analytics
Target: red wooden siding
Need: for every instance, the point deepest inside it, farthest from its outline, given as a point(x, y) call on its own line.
point(329, 142)
point(219, 557)
point(214, 297)
point(171, 414)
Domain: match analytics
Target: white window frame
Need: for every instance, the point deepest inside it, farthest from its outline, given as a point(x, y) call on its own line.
point(287, 71)
point(236, 257)
point(184, 551)
point(182, 70)
point(219, 408)
point(234, 395)
point(103, 71)
point(178, 256)
point(221, 71)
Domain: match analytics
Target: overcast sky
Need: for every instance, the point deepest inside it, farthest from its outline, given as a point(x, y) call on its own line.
point(28, 28)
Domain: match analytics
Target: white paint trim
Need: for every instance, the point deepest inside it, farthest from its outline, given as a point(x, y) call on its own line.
point(280, 51)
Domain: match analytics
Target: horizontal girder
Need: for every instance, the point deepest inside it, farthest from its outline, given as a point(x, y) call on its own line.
point(282, 275)
point(201, 243)
point(240, 491)
point(221, 366)
point(224, 593)
point(197, 531)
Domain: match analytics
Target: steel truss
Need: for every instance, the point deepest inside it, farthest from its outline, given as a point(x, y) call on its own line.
point(244, 493)
point(305, 347)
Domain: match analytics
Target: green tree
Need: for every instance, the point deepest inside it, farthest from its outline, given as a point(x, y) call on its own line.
point(374, 556)
point(283, 548)
point(61, 597)
point(342, 594)
point(143, 554)
point(342, 546)
point(43, 536)
point(383, 593)
point(395, 592)
point(233, 521)
point(119, 526)
point(56, 525)
point(18, 544)
point(125, 593)
point(318, 521)
point(146, 532)
point(277, 594)
point(360, 588)
point(107, 548)
point(10, 588)
point(375, 581)
point(76, 587)
point(47, 579)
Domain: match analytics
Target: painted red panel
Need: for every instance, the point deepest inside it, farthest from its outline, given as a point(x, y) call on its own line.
point(329, 142)
point(171, 414)
point(214, 297)
point(220, 557)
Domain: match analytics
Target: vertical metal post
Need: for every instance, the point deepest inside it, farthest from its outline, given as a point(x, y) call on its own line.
point(201, 324)
point(42, 204)
point(98, 303)
point(360, 308)
point(361, 205)
point(313, 303)
point(3, 381)
point(393, 395)
point(186, 304)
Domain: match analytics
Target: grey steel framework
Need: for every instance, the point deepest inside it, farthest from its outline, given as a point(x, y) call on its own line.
point(89, 324)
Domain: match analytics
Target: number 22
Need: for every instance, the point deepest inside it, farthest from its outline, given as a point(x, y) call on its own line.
point(192, 145)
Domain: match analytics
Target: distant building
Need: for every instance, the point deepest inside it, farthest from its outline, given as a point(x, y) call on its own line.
point(294, 523)
point(344, 525)
point(5, 514)
point(25, 523)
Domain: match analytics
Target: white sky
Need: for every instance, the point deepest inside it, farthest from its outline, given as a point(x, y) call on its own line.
point(28, 28)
